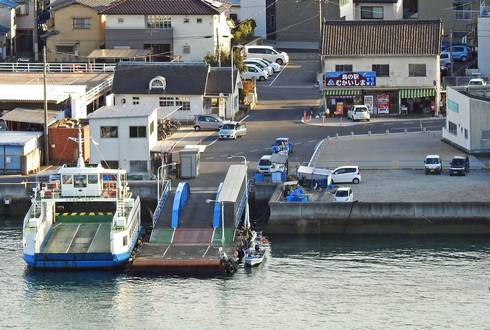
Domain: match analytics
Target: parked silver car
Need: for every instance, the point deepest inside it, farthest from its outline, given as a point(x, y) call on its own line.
point(207, 122)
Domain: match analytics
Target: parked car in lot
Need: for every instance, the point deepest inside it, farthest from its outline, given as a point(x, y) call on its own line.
point(445, 59)
point(276, 67)
point(346, 174)
point(344, 195)
point(477, 82)
point(459, 53)
point(261, 65)
point(207, 122)
point(459, 165)
point(433, 164)
point(359, 112)
point(268, 53)
point(232, 130)
point(254, 72)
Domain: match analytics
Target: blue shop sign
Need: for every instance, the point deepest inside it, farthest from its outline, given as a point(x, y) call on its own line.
point(349, 79)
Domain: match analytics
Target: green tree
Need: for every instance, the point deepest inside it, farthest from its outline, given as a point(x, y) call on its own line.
point(244, 32)
point(212, 59)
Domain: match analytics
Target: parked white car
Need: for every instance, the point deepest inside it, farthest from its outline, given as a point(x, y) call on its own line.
point(346, 174)
point(359, 112)
point(268, 53)
point(433, 164)
point(261, 65)
point(446, 60)
point(232, 130)
point(344, 195)
point(254, 72)
point(266, 165)
point(276, 67)
point(477, 82)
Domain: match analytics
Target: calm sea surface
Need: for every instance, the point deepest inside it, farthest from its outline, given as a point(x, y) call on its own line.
point(324, 283)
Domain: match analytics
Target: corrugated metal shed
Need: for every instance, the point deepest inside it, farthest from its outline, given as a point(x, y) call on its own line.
point(30, 116)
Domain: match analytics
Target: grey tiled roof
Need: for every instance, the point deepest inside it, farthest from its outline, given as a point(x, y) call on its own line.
point(181, 78)
point(166, 7)
point(219, 81)
point(97, 4)
point(403, 37)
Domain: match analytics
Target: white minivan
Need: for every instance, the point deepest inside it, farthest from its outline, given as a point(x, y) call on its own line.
point(268, 53)
point(346, 174)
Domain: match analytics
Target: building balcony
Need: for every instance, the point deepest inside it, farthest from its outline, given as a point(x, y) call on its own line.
point(137, 38)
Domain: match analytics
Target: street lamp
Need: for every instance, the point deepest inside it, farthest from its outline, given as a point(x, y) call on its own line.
point(247, 219)
point(222, 220)
point(232, 80)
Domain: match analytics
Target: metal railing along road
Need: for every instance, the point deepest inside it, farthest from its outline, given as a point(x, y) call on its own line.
point(58, 67)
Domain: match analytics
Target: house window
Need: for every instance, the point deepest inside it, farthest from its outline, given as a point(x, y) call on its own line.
point(137, 131)
point(136, 100)
point(112, 164)
point(184, 102)
point(186, 20)
point(81, 23)
point(120, 20)
point(22, 9)
point(123, 101)
point(463, 10)
point(186, 49)
point(158, 22)
point(234, 17)
point(199, 20)
point(452, 128)
point(410, 9)
point(65, 49)
point(466, 133)
point(167, 101)
point(158, 83)
point(136, 166)
point(382, 70)
point(343, 67)
point(152, 127)
point(371, 12)
point(107, 132)
point(417, 70)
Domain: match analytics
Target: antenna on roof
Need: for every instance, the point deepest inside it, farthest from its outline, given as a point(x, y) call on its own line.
point(80, 161)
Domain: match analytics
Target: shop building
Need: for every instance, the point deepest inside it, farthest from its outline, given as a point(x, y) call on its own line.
point(390, 66)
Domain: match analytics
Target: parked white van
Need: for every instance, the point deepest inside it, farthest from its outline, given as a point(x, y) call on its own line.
point(268, 53)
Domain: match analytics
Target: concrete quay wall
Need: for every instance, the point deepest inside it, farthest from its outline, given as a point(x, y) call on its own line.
point(379, 218)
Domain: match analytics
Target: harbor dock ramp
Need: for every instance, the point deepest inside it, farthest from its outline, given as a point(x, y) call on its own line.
point(194, 232)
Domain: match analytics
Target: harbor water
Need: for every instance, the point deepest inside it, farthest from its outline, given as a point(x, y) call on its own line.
point(315, 282)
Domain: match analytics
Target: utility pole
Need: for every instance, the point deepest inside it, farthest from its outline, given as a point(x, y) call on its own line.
point(35, 46)
point(218, 48)
point(46, 137)
point(320, 30)
point(450, 51)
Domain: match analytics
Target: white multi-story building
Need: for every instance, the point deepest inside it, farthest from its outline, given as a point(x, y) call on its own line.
point(390, 66)
point(371, 9)
point(123, 136)
point(185, 30)
point(8, 28)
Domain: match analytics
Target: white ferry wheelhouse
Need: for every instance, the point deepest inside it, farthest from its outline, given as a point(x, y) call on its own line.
point(84, 218)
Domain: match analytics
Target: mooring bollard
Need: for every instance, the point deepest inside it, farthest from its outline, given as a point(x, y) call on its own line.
point(336, 135)
point(369, 132)
point(387, 131)
point(352, 133)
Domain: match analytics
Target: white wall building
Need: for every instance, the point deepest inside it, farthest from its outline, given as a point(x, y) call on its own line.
point(373, 63)
point(122, 136)
point(185, 30)
point(195, 87)
point(369, 10)
point(484, 45)
point(8, 28)
point(468, 118)
point(256, 10)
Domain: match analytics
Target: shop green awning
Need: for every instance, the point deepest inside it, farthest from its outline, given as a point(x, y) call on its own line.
point(416, 92)
point(342, 92)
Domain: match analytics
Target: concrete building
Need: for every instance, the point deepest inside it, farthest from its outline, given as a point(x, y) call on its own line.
point(298, 20)
point(75, 94)
point(184, 30)
point(468, 118)
point(390, 66)
point(193, 86)
point(78, 29)
point(256, 10)
point(25, 13)
point(122, 136)
point(8, 28)
point(484, 44)
point(371, 9)
point(20, 152)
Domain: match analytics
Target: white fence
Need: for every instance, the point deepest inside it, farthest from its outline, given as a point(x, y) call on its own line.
point(58, 67)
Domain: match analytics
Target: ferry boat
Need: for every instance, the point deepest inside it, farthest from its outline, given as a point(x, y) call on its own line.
point(83, 217)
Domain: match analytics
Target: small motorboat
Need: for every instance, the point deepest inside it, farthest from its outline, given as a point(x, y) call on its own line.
point(254, 258)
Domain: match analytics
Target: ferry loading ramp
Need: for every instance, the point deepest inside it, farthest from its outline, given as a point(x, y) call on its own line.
point(188, 236)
